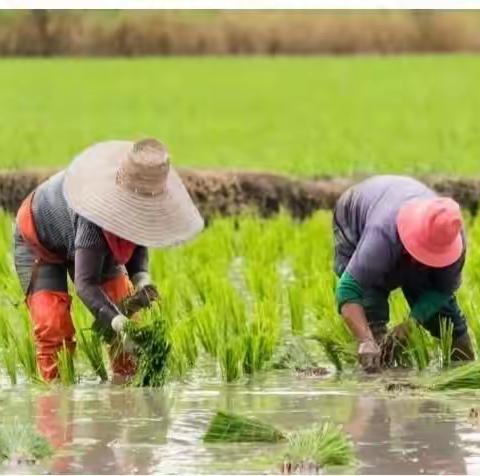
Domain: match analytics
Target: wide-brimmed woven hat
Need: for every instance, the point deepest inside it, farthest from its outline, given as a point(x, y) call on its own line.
point(430, 230)
point(130, 190)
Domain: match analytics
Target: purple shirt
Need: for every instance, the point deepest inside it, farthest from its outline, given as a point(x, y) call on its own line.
point(367, 243)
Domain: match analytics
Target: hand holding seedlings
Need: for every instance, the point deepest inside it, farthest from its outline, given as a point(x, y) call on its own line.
point(118, 325)
point(369, 355)
point(141, 299)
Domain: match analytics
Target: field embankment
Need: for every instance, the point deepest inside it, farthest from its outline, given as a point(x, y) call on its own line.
point(231, 193)
point(136, 33)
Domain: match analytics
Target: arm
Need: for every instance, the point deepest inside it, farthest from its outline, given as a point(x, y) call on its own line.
point(88, 269)
point(349, 297)
point(145, 290)
point(137, 267)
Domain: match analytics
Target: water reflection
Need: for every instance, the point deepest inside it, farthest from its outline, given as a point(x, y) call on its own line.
point(102, 429)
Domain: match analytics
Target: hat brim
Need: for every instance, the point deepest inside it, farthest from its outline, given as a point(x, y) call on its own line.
point(409, 222)
point(91, 191)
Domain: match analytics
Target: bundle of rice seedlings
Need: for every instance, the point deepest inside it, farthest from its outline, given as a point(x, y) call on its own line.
point(231, 428)
point(153, 350)
point(322, 445)
point(463, 377)
point(20, 443)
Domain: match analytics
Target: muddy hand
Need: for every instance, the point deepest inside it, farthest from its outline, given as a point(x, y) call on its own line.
point(151, 292)
point(369, 355)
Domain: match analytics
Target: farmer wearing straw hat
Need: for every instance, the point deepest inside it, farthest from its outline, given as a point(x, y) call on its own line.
point(391, 232)
point(94, 221)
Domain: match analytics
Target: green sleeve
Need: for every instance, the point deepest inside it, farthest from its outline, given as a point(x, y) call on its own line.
point(428, 304)
point(348, 290)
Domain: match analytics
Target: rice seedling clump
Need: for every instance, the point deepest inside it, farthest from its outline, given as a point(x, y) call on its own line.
point(463, 377)
point(21, 444)
point(231, 428)
point(152, 351)
point(317, 447)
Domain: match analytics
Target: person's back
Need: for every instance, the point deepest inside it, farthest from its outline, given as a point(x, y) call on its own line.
point(390, 232)
point(374, 203)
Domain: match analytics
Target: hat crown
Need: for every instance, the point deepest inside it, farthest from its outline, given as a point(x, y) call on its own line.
point(144, 171)
point(442, 223)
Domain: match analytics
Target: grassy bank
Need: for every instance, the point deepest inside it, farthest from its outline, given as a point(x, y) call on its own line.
point(304, 116)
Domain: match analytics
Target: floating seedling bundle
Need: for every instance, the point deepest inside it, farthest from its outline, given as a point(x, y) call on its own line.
point(318, 446)
point(231, 428)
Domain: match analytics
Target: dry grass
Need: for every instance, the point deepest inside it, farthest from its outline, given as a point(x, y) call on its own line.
point(172, 33)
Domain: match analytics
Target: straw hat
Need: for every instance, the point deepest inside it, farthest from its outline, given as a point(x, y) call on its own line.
point(130, 190)
point(430, 230)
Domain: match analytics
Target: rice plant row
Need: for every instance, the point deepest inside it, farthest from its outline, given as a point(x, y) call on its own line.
point(234, 297)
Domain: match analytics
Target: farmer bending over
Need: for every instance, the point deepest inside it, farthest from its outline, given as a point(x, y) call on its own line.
point(391, 232)
point(94, 221)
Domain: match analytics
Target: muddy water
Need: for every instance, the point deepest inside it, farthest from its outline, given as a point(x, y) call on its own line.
point(105, 429)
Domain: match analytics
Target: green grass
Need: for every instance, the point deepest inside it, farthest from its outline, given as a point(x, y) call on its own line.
point(303, 116)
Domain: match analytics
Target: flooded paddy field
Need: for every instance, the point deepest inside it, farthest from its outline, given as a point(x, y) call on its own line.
point(105, 429)
point(249, 333)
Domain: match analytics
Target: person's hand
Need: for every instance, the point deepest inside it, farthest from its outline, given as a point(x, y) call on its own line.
point(369, 355)
point(151, 292)
point(145, 288)
point(118, 325)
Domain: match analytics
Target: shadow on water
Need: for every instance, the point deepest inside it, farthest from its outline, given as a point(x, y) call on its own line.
point(104, 429)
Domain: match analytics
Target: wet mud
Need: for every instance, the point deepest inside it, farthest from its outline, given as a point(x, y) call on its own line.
point(223, 192)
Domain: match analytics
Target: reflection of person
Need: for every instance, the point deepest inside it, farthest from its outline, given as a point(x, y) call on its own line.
point(54, 413)
point(392, 437)
point(95, 221)
point(391, 232)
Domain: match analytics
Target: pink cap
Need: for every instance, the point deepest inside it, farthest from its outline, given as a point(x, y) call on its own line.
point(430, 230)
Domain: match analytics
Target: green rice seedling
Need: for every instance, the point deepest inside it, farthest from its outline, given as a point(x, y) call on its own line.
point(228, 427)
point(25, 346)
point(337, 341)
point(20, 443)
point(8, 350)
point(294, 353)
point(463, 377)
point(417, 346)
point(91, 344)
point(445, 344)
point(153, 351)
point(231, 356)
point(261, 336)
point(206, 328)
point(184, 350)
point(66, 367)
point(323, 445)
point(262, 280)
point(296, 303)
